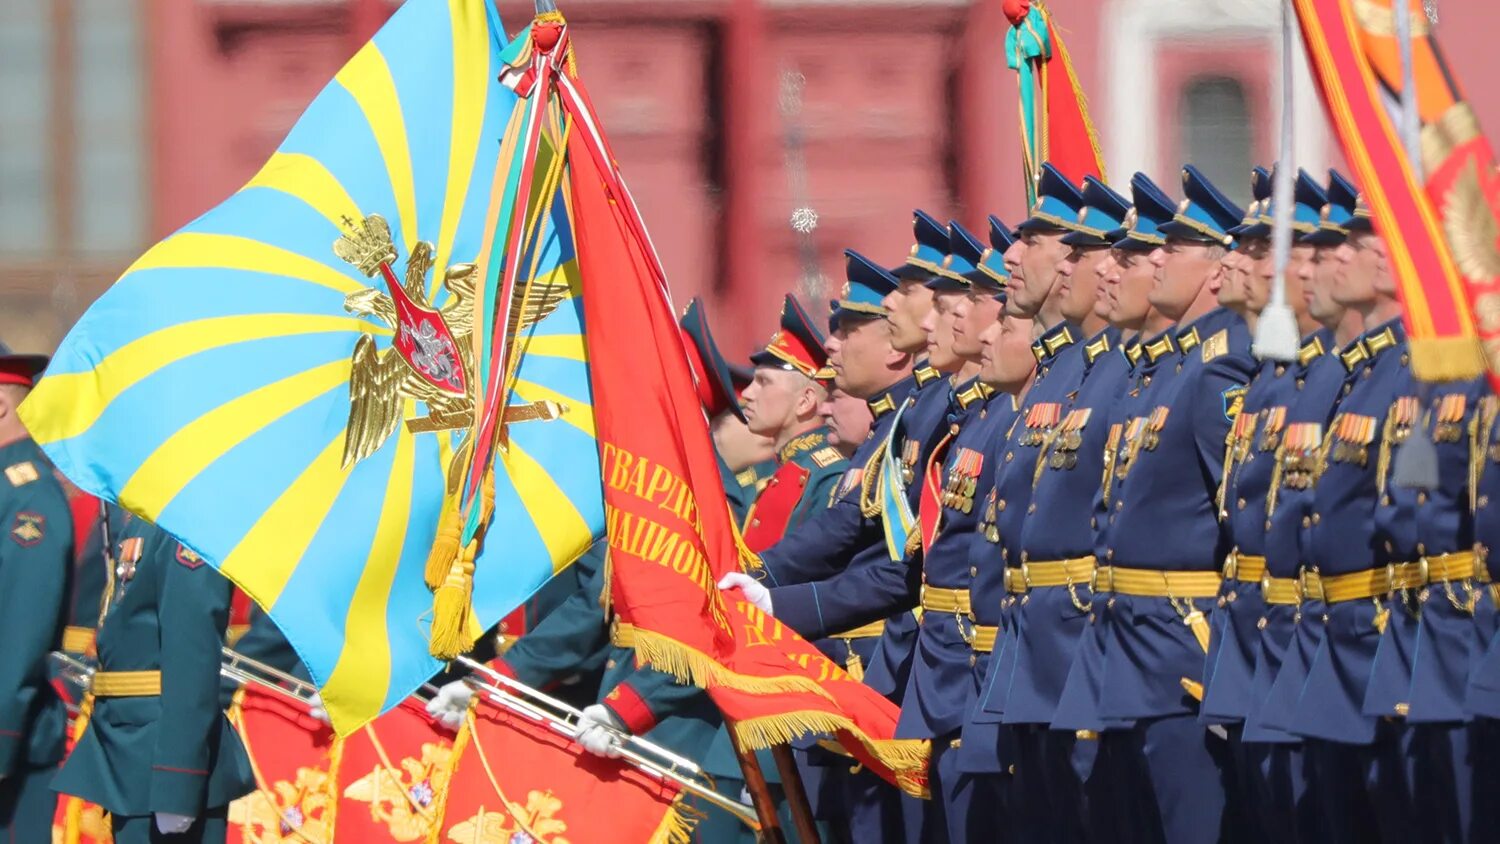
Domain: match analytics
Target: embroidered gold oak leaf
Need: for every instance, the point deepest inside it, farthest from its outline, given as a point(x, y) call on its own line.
point(402, 799)
point(291, 813)
point(1470, 224)
point(535, 823)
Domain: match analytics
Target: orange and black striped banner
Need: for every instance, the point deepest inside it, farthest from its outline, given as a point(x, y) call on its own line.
point(1440, 225)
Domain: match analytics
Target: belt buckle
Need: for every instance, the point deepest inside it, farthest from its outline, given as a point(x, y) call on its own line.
point(1026, 575)
point(1232, 564)
point(1424, 571)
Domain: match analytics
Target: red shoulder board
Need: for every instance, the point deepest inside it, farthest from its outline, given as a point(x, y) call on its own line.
point(187, 557)
point(773, 508)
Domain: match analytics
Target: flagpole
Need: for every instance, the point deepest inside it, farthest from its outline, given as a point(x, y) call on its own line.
point(1276, 333)
point(760, 793)
point(796, 795)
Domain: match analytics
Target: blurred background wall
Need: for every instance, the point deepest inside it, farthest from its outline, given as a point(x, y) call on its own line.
point(120, 120)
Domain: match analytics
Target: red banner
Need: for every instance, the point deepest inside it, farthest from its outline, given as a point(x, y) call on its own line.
point(295, 761)
point(76, 821)
point(1440, 231)
point(392, 774)
point(670, 535)
point(516, 778)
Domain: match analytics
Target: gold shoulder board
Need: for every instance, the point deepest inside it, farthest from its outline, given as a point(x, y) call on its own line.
point(21, 473)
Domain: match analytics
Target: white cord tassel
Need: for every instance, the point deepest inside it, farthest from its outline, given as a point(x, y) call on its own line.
point(1276, 334)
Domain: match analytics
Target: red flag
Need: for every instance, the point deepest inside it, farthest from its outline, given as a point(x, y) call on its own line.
point(392, 774)
point(294, 759)
point(1055, 123)
point(77, 821)
point(670, 534)
point(515, 778)
point(1440, 231)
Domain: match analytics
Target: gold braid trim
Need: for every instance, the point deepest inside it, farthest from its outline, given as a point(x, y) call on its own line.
point(1276, 471)
point(906, 758)
point(1383, 461)
point(330, 788)
point(870, 505)
point(1230, 441)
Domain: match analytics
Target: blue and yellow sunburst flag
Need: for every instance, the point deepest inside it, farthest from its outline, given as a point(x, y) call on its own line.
point(288, 384)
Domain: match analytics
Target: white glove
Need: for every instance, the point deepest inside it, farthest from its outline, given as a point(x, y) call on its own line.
point(754, 592)
point(450, 704)
point(598, 731)
point(315, 708)
point(170, 824)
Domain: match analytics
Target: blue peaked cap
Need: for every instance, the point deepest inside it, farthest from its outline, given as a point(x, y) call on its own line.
point(964, 251)
point(1057, 203)
point(990, 272)
point(866, 285)
point(1260, 197)
point(1309, 199)
point(1102, 213)
point(1206, 214)
point(1151, 210)
point(1334, 216)
point(932, 243)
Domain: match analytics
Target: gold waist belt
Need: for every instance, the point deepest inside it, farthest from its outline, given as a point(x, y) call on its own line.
point(1078, 570)
point(946, 600)
point(1154, 583)
point(1281, 591)
point(1370, 583)
point(126, 684)
point(1244, 567)
point(984, 638)
point(77, 640)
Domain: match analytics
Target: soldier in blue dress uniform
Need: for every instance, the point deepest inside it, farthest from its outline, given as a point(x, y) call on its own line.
point(1482, 692)
point(1352, 562)
point(35, 567)
point(1249, 466)
point(1292, 624)
point(1044, 497)
point(1156, 588)
point(1128, 278)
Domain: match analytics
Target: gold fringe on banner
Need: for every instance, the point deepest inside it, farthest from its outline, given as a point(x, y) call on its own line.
point(906, 758)
point(677, 824)
point(1440, 359)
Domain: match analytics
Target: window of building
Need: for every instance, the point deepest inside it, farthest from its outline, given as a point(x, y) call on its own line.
point(1216, 133)
point(72, 146)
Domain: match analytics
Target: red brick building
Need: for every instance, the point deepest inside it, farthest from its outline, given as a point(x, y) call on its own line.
point(126, 118)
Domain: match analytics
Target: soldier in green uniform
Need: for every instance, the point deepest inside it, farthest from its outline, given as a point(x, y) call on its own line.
point(158, 754)
point(35, 564)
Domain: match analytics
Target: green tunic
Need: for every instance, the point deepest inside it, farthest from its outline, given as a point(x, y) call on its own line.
point(174, 751)
point(35, 565)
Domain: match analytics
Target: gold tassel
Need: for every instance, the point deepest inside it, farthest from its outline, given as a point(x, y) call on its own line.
point(444, 548)
point(452, 608)
point(853, 664)
point(1199, 624)
point(73, 814)
point(1440, 359)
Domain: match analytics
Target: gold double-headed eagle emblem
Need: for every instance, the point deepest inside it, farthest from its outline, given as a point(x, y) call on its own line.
point(432, 358)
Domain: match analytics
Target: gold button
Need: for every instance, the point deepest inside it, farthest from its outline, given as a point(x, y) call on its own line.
point(1240, 503)
point(609, 664)
point(1119, 505)
point(1000, 505)
point(1306, 522)
point(1385, 501)
point(1009, 455)
point(973, 658)
point(1388, 548)
point(1268, 524)
point(1317, 518)
point(1109, 553)
point(1031, 508)
point(973, 571)
point(1483, 501)
point(953, 429)
point(1093, 523)
point(1421, 498)
point(1011, 769)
